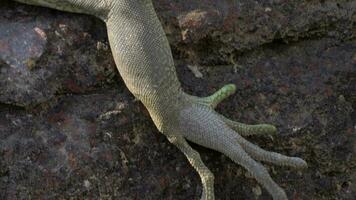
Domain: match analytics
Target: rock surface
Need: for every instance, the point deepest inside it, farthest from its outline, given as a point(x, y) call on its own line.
point(70, 129)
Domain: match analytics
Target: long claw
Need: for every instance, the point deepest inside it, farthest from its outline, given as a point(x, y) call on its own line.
point(247, 129)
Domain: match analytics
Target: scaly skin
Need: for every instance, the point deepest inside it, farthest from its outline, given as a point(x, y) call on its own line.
point(143, 58)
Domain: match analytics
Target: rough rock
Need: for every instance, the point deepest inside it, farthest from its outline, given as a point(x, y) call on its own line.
point(70, 129)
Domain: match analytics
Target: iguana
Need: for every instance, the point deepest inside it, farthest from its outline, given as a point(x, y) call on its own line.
point(143, 57)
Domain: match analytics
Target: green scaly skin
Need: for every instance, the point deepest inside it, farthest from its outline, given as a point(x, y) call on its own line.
point(144, 60)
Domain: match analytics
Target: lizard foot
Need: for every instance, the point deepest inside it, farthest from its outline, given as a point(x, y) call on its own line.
point(199, 123)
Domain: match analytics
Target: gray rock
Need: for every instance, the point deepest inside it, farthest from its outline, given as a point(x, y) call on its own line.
point(70, 129)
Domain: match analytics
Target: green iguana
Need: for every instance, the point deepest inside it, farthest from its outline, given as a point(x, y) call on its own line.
point(143, 57)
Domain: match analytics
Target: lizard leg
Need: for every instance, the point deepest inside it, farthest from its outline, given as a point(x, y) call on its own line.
point(194, 159)
point(143, 57)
